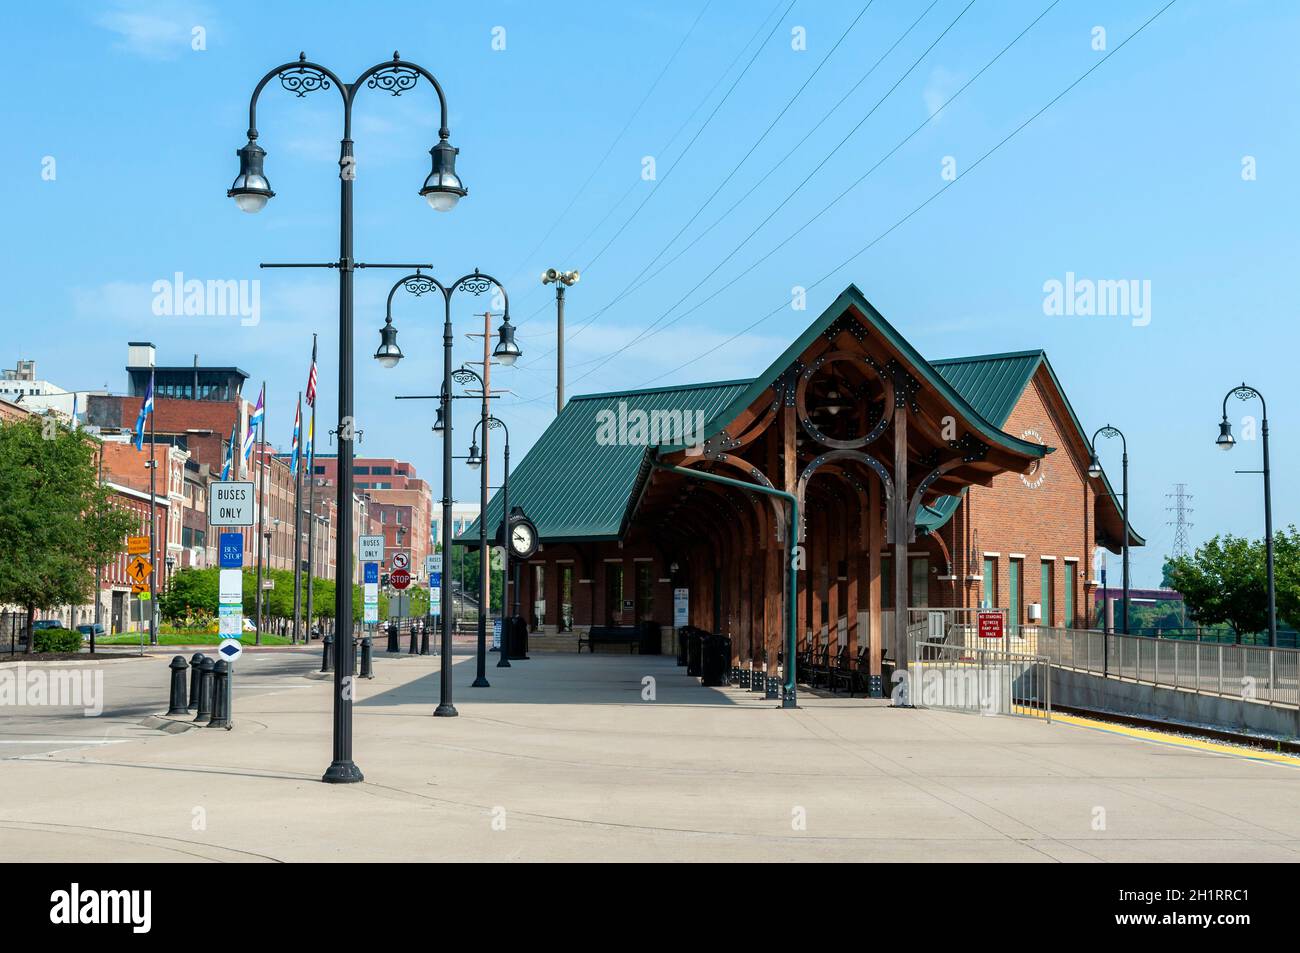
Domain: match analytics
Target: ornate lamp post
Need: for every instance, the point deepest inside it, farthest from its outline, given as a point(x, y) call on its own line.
point(1226, 441)
point(562, 280)
point(475, 461)
point(388, 354)
point(251, 191)
point(1095, 471)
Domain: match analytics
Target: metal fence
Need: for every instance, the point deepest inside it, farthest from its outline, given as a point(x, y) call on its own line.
point(984, 681)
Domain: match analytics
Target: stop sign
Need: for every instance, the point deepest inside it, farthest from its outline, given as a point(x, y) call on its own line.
point(400, 578)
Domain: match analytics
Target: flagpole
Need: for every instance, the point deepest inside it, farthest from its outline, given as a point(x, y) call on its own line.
point(311, 507)
point(261, 513)
point(297, 521)
point(153, 523)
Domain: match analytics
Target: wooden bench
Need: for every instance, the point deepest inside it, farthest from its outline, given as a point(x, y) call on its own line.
point(628, 635)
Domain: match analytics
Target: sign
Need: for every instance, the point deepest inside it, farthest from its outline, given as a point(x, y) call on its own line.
point(430, 564)
point(681, 608)
point(370, 592)
point(435, 579)
point(230, 649)
point(401, 560)
point(400, 578)
point(268, 583)
point(139, 590)
point(989, 624)
point(370, 549)
point(496, 634)
point(138, 569)
point(135, 545)
point(231, 550)
point(370, 572)
point(230, 503)
point(230, 620)
point(230, 587)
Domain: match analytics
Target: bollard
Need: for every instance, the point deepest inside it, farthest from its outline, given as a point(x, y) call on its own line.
point(196, 663)
point(176, 704)
point(393, 645)
point(367, 659)
point(424, 638)
point(326, 660)
point(356, 655)
point(415, 639)
point(220, 695)
point(205, 691)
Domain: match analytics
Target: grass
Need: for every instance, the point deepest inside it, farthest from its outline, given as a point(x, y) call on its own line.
point(185, 638)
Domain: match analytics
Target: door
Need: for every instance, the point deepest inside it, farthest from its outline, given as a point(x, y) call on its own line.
point(1013, 598)
point(115, 615)
point(566, 599)
point(614, 594)
point(645, 592)
point(1070, 569)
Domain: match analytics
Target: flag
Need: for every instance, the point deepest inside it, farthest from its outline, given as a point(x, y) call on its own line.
point(259, 412)
point(311, 376)
point(145, 410)
point(230, 451)
point(306, 451)
point(293, 447)
point(74, 410)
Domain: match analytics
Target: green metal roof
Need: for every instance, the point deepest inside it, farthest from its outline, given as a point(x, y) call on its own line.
point(574, 486)
point(991, 383)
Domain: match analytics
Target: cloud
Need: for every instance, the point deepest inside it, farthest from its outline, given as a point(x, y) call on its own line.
point(154, 29)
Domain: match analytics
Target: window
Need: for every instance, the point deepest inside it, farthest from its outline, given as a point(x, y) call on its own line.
point(361, 471)
point(380, 471)
point(566, 599)
point(614, 594)
point(1045, 590)
point(990, 582)
point(539, 595)
point(920, 570)
point(1013, 597)
point(645, 592)
point(1071, 569)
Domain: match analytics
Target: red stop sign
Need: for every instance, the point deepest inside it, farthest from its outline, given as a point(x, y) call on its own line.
point(400, 578)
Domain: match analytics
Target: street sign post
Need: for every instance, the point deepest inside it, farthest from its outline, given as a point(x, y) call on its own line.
point(989, 624)
point(230, 503)
point(401, 561)
point(137, 545)
point(230, 650)
point(138, 569)
point(399, 578)
point(231, 552)
point(681, 608)
point(370, 588)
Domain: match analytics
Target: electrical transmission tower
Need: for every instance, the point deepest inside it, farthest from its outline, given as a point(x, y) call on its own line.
point(1180, 523)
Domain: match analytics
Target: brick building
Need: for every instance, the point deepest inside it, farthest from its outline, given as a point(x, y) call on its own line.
point(921, 484)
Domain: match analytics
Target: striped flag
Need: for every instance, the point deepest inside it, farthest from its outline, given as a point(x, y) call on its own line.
point(311, 376)
point(230, 451)
point(306, 451)
point(145, 410)
point(259, 412)
point(293, 447)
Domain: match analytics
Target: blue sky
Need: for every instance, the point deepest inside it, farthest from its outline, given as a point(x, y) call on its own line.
point(1135, 174)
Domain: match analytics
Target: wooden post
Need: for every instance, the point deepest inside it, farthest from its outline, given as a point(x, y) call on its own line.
point(898, 524)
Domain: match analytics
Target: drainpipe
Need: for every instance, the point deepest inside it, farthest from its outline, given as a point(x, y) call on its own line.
point(790, 699)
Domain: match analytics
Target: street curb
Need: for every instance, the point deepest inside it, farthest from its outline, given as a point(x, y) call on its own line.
point(19, 660)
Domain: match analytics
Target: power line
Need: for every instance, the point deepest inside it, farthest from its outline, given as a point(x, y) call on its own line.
point(648, 331)
point(867, 247)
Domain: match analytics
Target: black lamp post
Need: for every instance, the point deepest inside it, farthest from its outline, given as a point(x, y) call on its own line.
point(1226, 441)
point(251, 191)
point(562, 280)
point(388, 354)
point(475, 461)
point(1095, 471)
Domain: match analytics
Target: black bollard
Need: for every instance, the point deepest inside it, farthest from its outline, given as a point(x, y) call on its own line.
point(415, 638)
point(424, 638)
point(205, 691)
point(196, 663)
point(367, 659)
point(393, 645)
point(220, 695)
point(356, 655)
point(326, 658)
point(176, 704)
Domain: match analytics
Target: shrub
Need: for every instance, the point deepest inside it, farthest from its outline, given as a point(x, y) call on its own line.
point(56, 640)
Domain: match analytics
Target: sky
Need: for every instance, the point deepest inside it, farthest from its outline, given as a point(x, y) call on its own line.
point(1101, 144)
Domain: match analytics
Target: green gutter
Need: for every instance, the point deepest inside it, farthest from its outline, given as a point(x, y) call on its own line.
point(789, 699)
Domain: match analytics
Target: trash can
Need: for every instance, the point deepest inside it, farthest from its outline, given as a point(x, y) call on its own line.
point(517, 640)
point(681, 644)
point(651, 640)
point(713, 661)
point(693, 637)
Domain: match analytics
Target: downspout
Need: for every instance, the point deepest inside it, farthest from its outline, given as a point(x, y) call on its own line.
point(789, 699)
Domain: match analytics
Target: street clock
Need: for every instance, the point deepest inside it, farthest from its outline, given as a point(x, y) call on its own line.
point(523, 537)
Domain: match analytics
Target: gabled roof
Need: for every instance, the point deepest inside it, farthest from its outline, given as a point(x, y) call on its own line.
point(574, 486)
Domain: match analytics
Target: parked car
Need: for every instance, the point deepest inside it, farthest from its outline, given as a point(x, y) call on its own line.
point(92, 628)
point(47, 624)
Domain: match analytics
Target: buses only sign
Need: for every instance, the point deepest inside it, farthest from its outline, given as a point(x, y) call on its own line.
point(230, 503)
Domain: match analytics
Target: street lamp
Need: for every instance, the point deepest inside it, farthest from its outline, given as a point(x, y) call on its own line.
point(251, 191)
point(1225, 441)
point(561, 280)
point(1095, 471)
point(485, 597)
point(388, 354)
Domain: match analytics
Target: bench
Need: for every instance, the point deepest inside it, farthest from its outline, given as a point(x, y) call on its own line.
point(628, 635)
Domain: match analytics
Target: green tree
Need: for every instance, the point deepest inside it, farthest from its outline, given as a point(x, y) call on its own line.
point(56, 522)
point(1224, 581)
point(1286, 558)
point(190, 591)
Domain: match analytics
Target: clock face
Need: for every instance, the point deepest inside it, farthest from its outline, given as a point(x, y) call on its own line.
point(522, 539)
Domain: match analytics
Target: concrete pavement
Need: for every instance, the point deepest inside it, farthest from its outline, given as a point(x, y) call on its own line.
point(563, 759)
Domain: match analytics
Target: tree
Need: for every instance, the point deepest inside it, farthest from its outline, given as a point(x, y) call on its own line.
point(56, 522)
point(1286, 557)
point(1224, 581)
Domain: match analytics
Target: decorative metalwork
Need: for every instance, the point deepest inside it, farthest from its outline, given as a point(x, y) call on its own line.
point(420, 285)
point(1110, 432)
point(805, 418)
point(476, 285)
point(463, 375)
point(1244, 392)
point(302, 79)
point(494, 424)
point(394, 79)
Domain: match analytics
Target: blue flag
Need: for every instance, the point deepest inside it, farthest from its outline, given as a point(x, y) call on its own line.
point(145, 410)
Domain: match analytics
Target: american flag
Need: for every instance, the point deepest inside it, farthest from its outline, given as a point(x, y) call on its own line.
point(311, 376)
